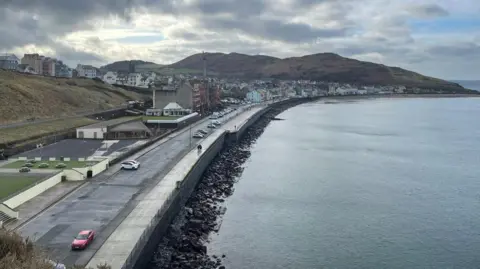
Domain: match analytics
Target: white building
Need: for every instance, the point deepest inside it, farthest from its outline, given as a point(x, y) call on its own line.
point(133, 79)
point(9, 61)
point(174, 109)
point(110, 77)
point(87, 71)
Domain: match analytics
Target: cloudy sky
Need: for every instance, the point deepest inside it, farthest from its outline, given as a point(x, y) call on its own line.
point(435, 37)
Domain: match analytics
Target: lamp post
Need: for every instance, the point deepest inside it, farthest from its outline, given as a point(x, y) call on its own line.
point(190, 136)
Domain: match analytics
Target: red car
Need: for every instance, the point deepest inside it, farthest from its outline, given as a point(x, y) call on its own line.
point(83, 239)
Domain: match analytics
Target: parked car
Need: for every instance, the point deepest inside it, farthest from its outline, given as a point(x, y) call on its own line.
point(211, 126)
point(202, 131)
point(130, 165)
point(198, 135)
point(83, 239)
point(216, 122)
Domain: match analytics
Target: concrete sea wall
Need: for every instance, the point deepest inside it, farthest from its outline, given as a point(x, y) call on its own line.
point(135, 239)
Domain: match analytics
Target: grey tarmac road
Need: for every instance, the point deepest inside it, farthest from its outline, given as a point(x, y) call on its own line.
point(104, 202)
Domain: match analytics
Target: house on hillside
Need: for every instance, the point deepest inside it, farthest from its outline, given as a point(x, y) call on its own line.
point(35, 61)
point(110, 77)
point(87, 71)
point(134, 79)
point(9, 62)
point(254, 96)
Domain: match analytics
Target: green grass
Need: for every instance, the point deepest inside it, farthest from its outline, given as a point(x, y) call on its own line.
point(46, 128)
point(159, 118)
point(51, 164)
point(11, 184)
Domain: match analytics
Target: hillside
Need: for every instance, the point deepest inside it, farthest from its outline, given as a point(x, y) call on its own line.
point(124, 65)
point(25, 96)
point(322, 67)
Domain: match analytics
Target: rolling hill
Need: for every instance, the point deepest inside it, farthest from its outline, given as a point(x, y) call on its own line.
point(124, 66)
point(321, 66)
point(25, 96)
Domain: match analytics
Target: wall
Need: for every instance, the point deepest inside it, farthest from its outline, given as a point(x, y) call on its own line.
point(177, 200)
point(33, 191)
point(8, 211)
point(90, 133)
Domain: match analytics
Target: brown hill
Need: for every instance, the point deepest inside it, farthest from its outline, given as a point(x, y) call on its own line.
point(25, 96)
point(321, 67)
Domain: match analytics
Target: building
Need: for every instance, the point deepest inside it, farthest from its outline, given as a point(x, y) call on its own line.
point(110, 77)
point(254, 96)
point(174, 109)
point(87, 71)
point(181, 94)
point(49, 65)
point(134, 79)
point(35, 61)
point(121, 128)
point(25, 68)
point(9, 62)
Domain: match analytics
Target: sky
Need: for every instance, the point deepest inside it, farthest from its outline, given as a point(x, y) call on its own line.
point(439, 38)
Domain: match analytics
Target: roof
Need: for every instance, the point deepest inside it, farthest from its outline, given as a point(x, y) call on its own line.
point(173, 105)
point(133, 126)
point(110, 123)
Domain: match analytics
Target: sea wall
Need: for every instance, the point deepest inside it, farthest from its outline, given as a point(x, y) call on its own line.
point(148, 222)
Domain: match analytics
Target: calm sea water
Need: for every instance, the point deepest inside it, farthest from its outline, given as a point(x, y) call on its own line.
point(367, 184)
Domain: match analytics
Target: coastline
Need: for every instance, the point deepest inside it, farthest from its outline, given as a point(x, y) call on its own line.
point(407, 95)
point(184, 245)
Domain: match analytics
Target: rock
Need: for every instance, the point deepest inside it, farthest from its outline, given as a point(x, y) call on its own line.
point(182, 246)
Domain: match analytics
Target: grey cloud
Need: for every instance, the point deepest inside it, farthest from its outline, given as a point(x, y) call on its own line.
point(429, 11)
point(273, 29)
point(465, 50)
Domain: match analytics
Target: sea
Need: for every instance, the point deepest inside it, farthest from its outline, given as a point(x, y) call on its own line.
point(469, 84)
point(374, 183)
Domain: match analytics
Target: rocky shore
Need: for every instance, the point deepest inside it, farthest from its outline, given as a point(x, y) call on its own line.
point(183, 246)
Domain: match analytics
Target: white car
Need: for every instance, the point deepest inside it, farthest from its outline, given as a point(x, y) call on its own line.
point(216, 122)
point(198, 135)
point(211, 126)
point(130, 165)
point(56, 265)
point(201, 131)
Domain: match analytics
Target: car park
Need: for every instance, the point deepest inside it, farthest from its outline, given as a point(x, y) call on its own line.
point(130, 165)
point(83, 239)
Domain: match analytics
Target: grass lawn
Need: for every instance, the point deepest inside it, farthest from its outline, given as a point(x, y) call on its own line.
point(32, 130)
point(159, 118)
point(12, 184)
point(51, 164)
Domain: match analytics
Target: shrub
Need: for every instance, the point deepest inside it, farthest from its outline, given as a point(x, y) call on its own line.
point(19, 253)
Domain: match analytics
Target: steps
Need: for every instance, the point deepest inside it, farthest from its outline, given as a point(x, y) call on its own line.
point(4, 218)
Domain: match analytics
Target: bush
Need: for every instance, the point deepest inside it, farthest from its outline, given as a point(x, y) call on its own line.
point(43, 165)
point(19, 253)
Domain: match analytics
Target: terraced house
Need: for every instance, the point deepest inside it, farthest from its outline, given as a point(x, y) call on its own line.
point(9, 62)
